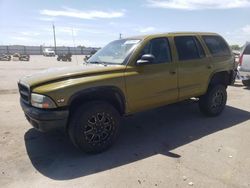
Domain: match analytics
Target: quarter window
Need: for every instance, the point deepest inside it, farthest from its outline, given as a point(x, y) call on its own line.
point(188, 48)
point(217, 46)
point(160, 48)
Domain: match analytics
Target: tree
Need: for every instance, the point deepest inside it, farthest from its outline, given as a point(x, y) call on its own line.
point(235, 47)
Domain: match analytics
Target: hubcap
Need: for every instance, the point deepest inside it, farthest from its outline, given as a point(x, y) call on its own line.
point(217, 100)
point(99, 128)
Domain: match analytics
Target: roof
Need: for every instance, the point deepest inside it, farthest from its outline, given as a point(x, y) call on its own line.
point(171, 34)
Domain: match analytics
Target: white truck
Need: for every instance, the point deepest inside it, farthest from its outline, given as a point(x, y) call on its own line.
point(244, 65)
point(48, 52)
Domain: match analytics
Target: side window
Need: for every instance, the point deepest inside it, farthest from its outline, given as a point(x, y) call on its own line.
point(160, 48)
point(247, 50)
point(188, 48)
point(216, 45)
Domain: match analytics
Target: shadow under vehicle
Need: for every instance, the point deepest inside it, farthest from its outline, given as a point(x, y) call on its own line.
point(144, 135)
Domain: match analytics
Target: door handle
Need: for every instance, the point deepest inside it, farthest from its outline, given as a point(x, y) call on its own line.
point(172, 72)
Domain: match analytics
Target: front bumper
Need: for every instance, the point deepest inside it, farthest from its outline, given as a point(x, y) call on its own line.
point(45, 120)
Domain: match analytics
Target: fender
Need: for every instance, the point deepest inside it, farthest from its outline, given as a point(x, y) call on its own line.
point(110, 93)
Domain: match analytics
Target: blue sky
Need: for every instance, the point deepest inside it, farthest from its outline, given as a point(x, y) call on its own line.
point(97, 22)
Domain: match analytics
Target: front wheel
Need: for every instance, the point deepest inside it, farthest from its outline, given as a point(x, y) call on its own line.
point(246, 82)
point(94, 126)
point(214, 101)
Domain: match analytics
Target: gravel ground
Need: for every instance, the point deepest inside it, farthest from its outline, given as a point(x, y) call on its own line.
point(173, 146)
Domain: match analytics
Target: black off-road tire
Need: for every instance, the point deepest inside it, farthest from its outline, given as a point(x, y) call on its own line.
point(94, 126)
point(246, 82)
point(214, 101)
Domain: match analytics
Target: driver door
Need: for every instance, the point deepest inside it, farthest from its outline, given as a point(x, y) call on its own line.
point(152, 84)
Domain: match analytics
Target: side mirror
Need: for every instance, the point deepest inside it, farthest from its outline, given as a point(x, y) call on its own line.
point(146, 59)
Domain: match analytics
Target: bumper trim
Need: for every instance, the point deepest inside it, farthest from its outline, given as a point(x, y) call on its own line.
point(45, 120)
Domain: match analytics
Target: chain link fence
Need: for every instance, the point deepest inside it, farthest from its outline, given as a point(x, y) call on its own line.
point(38, 50)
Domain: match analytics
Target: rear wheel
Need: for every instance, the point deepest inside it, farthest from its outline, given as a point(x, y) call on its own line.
point(214, 101)
point(246, 82)
point(94, 126)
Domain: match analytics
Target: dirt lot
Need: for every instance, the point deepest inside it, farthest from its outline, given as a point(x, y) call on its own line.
point(173, 146)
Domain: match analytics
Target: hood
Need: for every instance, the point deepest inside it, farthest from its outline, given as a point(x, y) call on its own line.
point(63, 73)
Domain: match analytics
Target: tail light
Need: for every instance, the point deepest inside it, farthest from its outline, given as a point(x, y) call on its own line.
point(241, 59)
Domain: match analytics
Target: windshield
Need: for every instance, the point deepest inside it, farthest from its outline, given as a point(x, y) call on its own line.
point(115, 52)
point(48, 49)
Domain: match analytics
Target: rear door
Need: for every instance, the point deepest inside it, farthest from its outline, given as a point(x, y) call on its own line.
point(194, 67)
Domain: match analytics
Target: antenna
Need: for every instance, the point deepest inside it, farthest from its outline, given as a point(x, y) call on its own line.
point(54, 32)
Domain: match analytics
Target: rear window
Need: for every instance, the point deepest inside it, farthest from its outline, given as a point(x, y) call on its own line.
point(247, 50)
point(216, 45)
point(188, 48)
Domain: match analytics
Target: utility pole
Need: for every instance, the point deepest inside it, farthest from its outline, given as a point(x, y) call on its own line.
point(54, 31)
point(120, 36)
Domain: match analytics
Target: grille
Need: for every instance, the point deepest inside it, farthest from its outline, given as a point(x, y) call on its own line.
point(24, 92)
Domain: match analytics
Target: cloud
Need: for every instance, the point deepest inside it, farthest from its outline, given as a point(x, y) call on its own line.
point(146, 29)
point(74, 13)
point(20, 38)
point(239, 35)
point(246, 29)
point(30, 34)
point(47, 19)
point(198, 4)
point(67, 30)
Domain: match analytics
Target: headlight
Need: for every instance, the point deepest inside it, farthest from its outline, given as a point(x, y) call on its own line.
point(41, 101)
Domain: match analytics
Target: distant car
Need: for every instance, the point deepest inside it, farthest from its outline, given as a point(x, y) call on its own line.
point(244, 65)
point(24, 57)
point(16, 57)
point(48, 52)
point(5, 57)
point(64, 57)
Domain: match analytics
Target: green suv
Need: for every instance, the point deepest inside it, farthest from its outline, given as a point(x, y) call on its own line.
point(128, 76)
